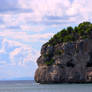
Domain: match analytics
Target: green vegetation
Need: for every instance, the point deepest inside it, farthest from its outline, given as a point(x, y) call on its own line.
point(82, 31)
point(49, 62)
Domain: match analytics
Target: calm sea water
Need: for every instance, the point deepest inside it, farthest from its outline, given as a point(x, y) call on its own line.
point(30, 86)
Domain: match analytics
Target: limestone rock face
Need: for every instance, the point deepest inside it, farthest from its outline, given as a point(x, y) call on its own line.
point(69, 62)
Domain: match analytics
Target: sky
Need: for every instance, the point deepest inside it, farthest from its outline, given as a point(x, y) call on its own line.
point(25, 25)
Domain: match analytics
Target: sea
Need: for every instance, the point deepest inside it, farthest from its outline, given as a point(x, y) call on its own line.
point(31, 86)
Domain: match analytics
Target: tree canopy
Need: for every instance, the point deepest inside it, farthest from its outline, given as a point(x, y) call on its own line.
point(70, 34)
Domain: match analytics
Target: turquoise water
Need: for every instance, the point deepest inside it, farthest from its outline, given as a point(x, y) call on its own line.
point(28, 86)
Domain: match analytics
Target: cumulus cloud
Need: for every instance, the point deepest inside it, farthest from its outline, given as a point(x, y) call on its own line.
point(24, 36)
point(81, 8)
point(57, 12)
point(23, 55)
point(45, 8)
point(32, 28)
point(74, 11)
point(40, 11)
point(17, 59)
point(59, 8)
point(18, 53)
point(46, 12)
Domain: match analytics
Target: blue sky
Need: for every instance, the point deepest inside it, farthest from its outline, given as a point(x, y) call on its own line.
point(27, 24)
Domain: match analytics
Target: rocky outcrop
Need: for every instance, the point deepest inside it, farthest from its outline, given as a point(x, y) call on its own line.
point(69, 62)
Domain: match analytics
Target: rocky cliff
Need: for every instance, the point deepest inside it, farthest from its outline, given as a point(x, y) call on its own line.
point(65, 62)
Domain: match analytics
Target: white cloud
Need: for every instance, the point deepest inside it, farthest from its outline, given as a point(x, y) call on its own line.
point(22, 59)
point(45, 7)
point(20, 55)
point(22, 21)
point(82, 8)
point(10, 19)
point(3, 62)
point(2, 50)
point(10, 43)
point(14, 53)
point(32, 28)
point(2, 26)
point(41, 36)
point(24, 55)
point(15, 35)
point(24, 36)
point(15, 19)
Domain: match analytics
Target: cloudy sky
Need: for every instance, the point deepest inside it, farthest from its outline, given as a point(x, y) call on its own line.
point(27, 24)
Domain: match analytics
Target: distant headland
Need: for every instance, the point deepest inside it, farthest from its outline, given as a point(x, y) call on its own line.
point(67, 56)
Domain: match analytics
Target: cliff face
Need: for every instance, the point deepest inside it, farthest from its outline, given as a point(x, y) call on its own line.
point(65, 62)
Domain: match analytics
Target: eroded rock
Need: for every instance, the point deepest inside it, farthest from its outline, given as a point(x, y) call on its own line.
point(72, 62)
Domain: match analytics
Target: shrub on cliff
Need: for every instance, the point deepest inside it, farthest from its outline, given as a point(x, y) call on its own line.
point(82, 31)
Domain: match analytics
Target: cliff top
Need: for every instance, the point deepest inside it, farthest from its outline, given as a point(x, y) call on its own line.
point(70, 34)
